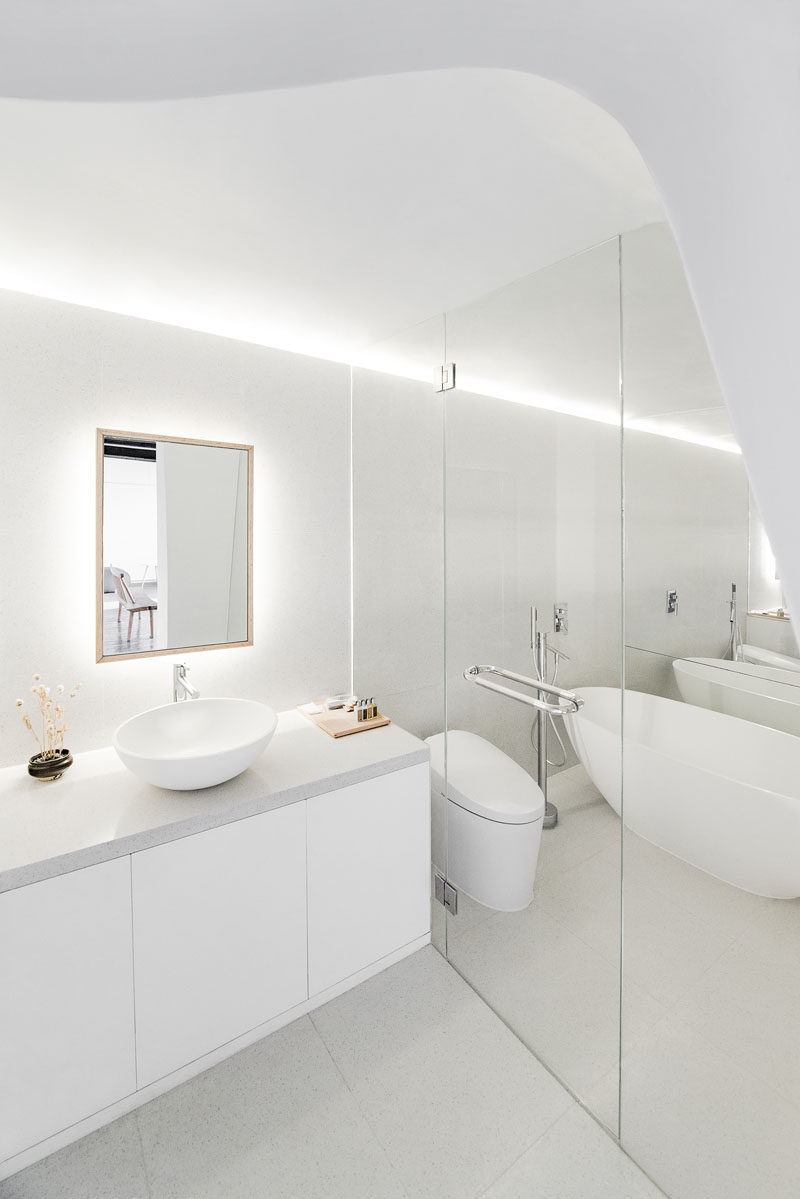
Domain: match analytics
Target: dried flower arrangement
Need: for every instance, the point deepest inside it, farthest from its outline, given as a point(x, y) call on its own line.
point(52, 709)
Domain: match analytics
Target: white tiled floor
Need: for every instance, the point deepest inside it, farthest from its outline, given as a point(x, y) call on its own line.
point(711, 1005)
point(552, 971)
point(406, 1087)
point(711, 1094)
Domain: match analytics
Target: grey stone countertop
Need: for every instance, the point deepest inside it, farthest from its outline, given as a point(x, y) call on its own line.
point(98, 810)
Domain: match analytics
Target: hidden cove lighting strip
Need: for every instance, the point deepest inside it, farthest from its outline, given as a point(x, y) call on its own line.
point(587, 409)
point(296, 342)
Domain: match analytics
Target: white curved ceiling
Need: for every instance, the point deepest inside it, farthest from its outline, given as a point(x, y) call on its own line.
point(319, 219)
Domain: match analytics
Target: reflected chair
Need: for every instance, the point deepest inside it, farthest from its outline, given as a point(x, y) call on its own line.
point(134, 600)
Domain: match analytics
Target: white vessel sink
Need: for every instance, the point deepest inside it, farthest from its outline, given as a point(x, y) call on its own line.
point(195, 743)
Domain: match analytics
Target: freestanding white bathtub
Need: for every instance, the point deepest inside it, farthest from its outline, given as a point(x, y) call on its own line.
point(721, 793)
point(758, 693)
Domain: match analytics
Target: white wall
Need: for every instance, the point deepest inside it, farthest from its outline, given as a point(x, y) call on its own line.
point(398, 565)
point(67, 371)
point(766, 590)
point(766, 594)
point(686, 527)
point(707, 92)
point(532, 516)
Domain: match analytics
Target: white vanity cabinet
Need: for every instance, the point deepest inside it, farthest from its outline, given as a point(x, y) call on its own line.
point(145, 935)
point(66, 1002)
point(219, 921)
point(369, 860)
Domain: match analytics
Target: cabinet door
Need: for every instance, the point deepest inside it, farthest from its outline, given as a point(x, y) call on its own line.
point(368, 873)
point(66, 1002)
point(219, 922)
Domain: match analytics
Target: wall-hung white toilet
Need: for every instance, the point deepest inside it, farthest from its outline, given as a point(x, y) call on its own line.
point(487, 826)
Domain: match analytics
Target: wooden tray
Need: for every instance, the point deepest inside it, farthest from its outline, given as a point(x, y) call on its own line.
point(338, 722)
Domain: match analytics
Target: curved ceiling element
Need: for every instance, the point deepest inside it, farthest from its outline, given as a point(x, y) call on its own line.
point(316, 220)
point(709, 94)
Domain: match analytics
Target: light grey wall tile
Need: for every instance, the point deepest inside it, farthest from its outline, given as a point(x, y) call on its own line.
point(686, 527)
point(397, 535)
point(69, 370)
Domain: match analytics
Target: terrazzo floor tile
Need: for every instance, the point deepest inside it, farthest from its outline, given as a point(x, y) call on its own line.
point(276, 1120)
point(574, 1159)
point(452, 1095)
point(586, 824)
point(775, 936)
point(726, 909)
point(558, 994)
point(750, 1009)
point(108, 1164)
point(668, 944)
point(701, 1126)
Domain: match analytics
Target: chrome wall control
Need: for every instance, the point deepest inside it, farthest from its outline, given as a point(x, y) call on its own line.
point(560, 622)
point(672, 602)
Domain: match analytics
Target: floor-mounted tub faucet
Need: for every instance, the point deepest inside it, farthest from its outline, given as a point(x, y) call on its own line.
point(181, 687)
point(734, 650)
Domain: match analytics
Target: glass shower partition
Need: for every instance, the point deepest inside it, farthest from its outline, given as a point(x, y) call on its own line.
point(676, 1026)
point(532, 532)
point(398, 537)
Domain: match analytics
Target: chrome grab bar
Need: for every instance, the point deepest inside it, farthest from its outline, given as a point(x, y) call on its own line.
point(473, 675)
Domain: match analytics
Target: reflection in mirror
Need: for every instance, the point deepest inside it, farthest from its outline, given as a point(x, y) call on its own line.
point(692, 528)
point(174, 546)
point(711, 876)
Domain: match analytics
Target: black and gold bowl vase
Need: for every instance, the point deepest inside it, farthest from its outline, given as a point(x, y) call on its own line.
point(49, 769)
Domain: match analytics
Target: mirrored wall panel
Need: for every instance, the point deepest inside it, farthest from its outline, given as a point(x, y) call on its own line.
point(710, 1097)
point(533, 592)
point(174, 544)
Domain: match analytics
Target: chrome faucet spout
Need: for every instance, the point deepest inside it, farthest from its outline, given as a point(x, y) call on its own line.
point(182, 689)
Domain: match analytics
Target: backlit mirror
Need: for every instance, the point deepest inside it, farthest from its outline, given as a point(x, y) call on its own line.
point(174, 544)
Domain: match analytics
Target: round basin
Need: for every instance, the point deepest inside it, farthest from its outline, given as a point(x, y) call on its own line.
point(195, 743)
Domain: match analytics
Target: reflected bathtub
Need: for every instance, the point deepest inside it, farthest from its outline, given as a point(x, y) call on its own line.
point(758, 693)
point(770, 657)
point(721, 793)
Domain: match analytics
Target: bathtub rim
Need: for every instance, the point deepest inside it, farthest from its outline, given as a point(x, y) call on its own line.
point(623, 737)
point(726, 668)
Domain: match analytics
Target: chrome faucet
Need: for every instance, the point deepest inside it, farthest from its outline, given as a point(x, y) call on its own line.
point(181, 687)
